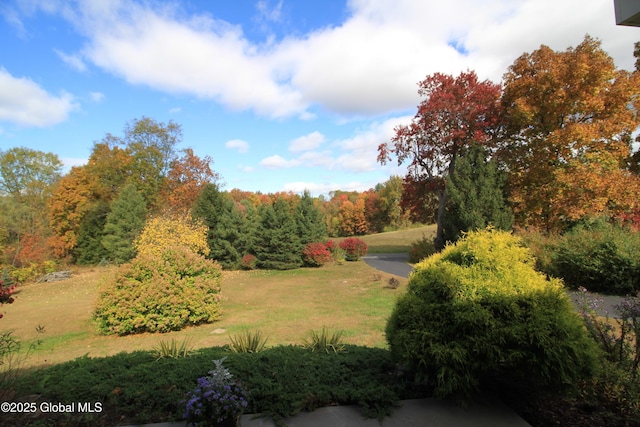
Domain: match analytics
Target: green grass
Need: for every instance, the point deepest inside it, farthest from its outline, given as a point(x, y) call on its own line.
point(395, 241)
point(285, 305)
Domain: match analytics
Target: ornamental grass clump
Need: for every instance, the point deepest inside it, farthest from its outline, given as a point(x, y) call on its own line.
point(217, 399)
point(478, 314)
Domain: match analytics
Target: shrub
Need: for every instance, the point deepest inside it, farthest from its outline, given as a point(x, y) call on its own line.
point(249, 262)
point(421, 249)
point(599, 256)
point(478, 312)
point(161, 232)
point(160, 293)
point(353, 248)
point(316, 254)
point(393, 283)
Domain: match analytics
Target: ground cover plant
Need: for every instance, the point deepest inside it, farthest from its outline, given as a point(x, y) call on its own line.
point(280, 381)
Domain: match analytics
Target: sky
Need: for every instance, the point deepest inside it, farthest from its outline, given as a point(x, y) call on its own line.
point(283, 95)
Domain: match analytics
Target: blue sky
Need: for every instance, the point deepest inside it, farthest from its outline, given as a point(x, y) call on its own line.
point(283, 94)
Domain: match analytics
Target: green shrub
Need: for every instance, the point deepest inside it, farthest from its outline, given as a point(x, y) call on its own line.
point(478, 311)
point(160, 293)
point(421, 249)
point(599, 256)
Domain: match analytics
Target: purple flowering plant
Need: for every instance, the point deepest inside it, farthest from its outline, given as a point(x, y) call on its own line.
point(216, 398)
point(621, 344)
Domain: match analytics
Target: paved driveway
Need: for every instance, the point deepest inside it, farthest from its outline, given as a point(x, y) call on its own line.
point(397, 264)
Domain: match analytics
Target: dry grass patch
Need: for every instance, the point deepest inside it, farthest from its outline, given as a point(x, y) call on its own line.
point(285, 305)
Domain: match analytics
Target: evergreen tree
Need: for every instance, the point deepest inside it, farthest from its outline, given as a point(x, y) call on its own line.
point(309, 221)
point(225, 224)
point(124, 223)
point(277, 245)
point(475, 195)
point(89, 249)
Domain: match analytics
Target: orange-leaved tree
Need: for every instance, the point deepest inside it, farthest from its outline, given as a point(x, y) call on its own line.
point(569, 119)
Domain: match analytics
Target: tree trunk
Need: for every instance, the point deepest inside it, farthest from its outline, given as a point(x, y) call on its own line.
point(439, 242)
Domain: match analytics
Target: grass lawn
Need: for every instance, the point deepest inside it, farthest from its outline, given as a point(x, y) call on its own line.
point(284, 305)
point(395, 241)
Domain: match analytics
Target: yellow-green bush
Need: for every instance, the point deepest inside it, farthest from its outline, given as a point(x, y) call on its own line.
point(161, 232)
point(160, 293)
point(478, 311)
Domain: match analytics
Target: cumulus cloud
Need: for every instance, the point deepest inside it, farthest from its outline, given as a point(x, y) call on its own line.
point(24, 102)
point(278, 162)
point(307, 142)
point(361, 150)
point(368, 64)
point(237, 144)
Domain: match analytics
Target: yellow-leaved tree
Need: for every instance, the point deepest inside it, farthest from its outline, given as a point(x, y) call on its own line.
point(166, 231)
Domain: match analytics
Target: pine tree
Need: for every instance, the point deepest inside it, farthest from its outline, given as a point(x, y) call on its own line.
point(225, 223)
point(277, 245)
point(310, 223)
point(124, 223)
point(475, 194)
point(89, 248)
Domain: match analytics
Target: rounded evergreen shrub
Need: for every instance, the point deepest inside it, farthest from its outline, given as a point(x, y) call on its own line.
point(599, 256)
point(160, 293)
point(478, 311)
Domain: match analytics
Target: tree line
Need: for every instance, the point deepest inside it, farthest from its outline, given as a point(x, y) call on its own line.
point(94, 212)
point(558, 133)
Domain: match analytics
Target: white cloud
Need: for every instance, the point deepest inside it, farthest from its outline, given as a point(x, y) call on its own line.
point(175, 110)
point(367, 65)
point(246, 169)
point(200, 56)
point(273, 14)
point(70, 162)
point(324, 188)
point(237, 144)
point(307, 142)
point(24, 102)
point(277, 162)
point(97, 97)
point(73, 61)
point(361, 150)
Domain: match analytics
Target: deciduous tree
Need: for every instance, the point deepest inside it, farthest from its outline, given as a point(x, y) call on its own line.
point(565, 109)
point(455, 112)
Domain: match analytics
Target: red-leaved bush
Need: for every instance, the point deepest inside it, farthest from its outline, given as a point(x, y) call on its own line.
point(316, 254)
point(248, 262)
point(5, 294)
point(353, 248)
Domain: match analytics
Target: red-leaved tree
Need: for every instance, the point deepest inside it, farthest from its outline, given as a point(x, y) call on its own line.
point(455, 113)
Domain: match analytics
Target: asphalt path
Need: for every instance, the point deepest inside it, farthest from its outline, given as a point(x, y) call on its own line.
point(396, 263)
